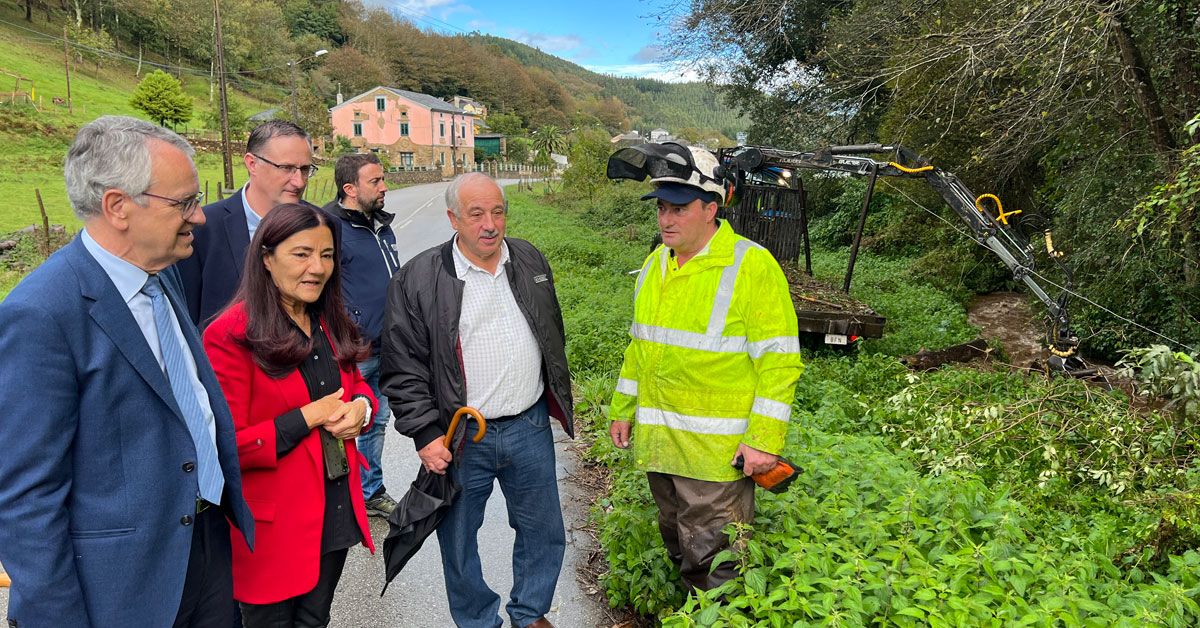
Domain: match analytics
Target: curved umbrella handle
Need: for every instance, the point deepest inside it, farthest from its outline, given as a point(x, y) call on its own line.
point(479, 420)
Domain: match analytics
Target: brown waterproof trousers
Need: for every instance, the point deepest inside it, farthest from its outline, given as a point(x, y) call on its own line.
point(691, 515)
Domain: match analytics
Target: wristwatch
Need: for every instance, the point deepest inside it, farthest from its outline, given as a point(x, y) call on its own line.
point(366, 400)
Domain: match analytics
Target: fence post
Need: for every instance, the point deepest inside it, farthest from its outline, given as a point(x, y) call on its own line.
point(45, 224)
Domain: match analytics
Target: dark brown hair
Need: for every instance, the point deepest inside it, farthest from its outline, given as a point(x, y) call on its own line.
point(346, 170)
point(270, 335)
point(271, 129)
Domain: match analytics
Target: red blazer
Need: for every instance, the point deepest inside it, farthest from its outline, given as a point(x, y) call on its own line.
point(286, 495)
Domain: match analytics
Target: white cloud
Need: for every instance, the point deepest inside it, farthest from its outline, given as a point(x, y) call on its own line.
point(651, 53)
point(669, 72)
point(553, 44)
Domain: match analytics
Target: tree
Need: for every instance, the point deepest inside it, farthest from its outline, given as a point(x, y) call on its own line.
point(612, 113)
point(549, 139)
point(589, 157)
point(160, 96)
point(239, 120)
point(93, 45)
point(353, 70)
point(318, 17)
point(314, 114)
point(518, 150)
point(506, 124)
point(342, 146)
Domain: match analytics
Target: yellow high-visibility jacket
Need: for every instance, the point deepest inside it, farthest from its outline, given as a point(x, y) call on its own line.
point(713, 361)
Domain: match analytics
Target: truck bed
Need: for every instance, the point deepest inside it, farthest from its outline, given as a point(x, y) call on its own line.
point(826, 311)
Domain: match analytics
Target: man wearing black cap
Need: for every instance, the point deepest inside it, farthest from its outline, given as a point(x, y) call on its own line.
point(710, 374)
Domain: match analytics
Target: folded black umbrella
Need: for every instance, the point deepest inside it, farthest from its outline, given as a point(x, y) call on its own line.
point(416, 516)
point(423, 507)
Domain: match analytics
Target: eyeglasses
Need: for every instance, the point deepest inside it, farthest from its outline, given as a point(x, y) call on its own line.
point(187, 206)
point(305, 171)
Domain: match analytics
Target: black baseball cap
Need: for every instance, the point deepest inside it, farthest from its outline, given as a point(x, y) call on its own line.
point(680, 193)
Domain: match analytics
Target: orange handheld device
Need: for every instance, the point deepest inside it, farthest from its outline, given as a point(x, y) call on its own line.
point(777, 479)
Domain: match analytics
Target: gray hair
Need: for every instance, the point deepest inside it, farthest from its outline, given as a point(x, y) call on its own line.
point(112, 152)
point(452, 200)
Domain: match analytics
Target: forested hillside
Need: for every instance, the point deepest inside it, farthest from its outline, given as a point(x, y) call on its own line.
point(651, 103)
point(1082, 112)
point(370, 46)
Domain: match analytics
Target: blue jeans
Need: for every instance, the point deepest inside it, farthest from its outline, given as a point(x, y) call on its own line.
point(370, 442)
point(520, 454)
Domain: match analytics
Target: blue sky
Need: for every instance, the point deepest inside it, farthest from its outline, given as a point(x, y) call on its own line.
point(622, 37)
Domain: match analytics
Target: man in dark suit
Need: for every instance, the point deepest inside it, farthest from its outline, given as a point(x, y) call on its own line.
point(120, 466)
point(279, 162)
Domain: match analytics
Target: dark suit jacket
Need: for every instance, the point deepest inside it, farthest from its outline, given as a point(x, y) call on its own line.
point(93, 483)
point(211, 275)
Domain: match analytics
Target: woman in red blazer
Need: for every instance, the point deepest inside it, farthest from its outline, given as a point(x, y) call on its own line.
point(285, 353)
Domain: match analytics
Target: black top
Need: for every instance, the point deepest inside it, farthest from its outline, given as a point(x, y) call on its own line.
point(321, 375)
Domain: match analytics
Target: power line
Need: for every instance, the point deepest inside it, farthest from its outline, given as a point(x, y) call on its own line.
point(1112, 313)
point(1073, 293)
point(428, 18)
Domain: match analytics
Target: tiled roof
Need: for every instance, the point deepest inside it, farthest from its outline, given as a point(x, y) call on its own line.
point(425, 100)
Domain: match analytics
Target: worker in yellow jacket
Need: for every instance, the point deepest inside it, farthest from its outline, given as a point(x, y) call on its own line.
point(710, 373)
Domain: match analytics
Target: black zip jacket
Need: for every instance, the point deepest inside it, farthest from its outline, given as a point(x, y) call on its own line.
point(422, 373)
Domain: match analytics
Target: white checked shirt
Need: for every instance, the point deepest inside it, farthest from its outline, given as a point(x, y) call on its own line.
point(501, 357)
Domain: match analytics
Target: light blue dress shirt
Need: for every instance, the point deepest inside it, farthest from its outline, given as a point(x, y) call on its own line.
point(129, 280)
point(252, 219)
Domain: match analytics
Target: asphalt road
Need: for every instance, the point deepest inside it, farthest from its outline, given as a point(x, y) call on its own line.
point(417, 598)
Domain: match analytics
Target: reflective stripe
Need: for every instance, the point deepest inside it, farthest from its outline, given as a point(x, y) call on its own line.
point(724, 296)
point(696, 424)
point(642, 277)
point(779, 344)
point(627, 387)
point(689, 339)
point(777, 410)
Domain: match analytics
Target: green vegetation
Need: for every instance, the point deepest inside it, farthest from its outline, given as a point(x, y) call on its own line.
point(36, 140)
point(963, 496)
point(42, 170)
point(650, 103)
point(375, 48)
point(29, 251)
point(1092, 137)
point(160, 96)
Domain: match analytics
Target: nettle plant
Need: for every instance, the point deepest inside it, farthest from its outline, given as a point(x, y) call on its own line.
point(1168, 375)
point(1053, 435)
point(865, 538)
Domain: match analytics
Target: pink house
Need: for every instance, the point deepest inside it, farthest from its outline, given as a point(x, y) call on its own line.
point(414, 130)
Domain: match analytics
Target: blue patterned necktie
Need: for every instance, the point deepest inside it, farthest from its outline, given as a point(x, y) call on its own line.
point(209, 467)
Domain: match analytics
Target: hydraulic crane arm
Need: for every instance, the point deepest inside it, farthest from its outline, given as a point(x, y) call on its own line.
point(989, 228)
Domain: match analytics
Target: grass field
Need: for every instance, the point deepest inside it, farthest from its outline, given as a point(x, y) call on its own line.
point(34, 140)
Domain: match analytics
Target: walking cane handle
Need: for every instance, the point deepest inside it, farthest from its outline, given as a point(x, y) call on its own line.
point(479, 420)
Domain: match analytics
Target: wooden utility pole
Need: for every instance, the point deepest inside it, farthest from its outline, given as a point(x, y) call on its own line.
point(226, 154)
point(67, 64)
point(45, 224)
